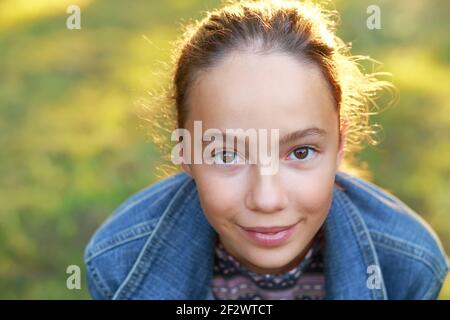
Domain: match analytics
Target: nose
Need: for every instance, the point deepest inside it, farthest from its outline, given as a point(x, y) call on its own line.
point(265, 193)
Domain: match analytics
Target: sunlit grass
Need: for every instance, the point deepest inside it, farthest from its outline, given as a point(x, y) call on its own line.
point(445, 292)
point(16, 12)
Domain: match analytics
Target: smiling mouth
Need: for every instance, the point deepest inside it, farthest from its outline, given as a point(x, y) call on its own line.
point(270, 236)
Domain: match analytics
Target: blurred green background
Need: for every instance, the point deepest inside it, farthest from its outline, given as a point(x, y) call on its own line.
point(71, 144)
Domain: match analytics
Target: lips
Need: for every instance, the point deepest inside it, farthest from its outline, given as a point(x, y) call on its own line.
point(268, 229)
point(269, 236)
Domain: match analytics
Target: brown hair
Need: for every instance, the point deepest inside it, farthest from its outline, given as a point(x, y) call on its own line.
point(304, 30)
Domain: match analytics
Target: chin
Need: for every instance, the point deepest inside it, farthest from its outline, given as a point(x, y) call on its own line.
point(272, 260)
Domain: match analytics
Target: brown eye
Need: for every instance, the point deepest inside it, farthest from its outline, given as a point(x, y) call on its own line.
point(301, 153)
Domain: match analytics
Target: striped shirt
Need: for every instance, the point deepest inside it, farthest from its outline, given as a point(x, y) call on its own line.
point(232, 281)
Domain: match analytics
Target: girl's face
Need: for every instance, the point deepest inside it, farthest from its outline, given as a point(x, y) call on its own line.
point(273, 91)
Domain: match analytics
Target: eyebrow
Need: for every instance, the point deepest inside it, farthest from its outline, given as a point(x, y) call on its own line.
point(292, 136)
point(303, 133)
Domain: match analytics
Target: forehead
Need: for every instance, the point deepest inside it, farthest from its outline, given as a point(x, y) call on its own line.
point(248, 90)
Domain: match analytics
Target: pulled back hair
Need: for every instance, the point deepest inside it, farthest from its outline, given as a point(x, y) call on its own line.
point(305, 31)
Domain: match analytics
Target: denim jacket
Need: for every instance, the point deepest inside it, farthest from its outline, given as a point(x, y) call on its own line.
point(159, 245)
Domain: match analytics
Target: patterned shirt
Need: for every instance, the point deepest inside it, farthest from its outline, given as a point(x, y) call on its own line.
point(232, 281)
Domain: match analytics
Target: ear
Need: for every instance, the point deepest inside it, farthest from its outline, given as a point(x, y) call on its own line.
point(185, 165)
point(342, 143)
point(187, 168)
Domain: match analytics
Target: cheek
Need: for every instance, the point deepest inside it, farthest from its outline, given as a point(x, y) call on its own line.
point(220, 198)
point(314, 193)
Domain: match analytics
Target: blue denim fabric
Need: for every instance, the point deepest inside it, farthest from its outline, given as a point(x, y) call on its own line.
point(159, 245)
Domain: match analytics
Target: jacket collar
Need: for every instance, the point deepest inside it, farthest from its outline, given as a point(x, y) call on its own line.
point(176, 262)
point(350, 257)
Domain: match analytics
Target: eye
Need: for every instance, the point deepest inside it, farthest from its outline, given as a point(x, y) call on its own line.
point(303, 153)
point(226, 157)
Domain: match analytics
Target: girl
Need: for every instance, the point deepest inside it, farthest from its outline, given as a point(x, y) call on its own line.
point(222, 228)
